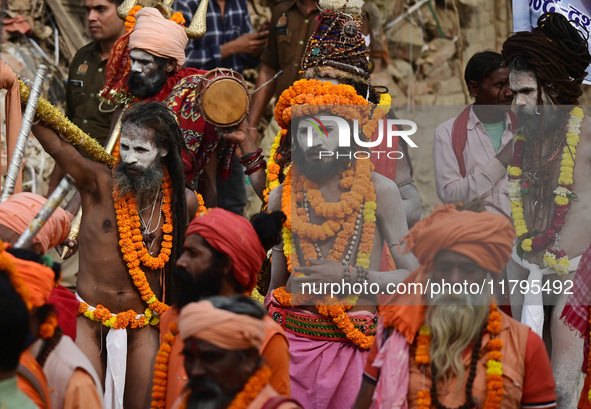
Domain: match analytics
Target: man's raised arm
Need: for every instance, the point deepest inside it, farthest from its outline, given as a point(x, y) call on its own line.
point(67, 157)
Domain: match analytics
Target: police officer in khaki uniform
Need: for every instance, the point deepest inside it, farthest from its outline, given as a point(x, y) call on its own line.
point(87, 70)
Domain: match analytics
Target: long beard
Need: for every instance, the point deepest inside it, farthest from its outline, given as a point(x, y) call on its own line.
point(146, 87)
point(535, 126)
point(317, 170)
point(144, 185)
point(192, 289)
point(206, 394)
point(454, 321)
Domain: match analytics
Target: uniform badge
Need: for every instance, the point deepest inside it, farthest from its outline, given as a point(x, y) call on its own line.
point(282, 21)
point(82, 68)
point(281, 26)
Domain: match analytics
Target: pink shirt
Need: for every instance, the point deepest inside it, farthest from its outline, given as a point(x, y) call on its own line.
point(486, 177)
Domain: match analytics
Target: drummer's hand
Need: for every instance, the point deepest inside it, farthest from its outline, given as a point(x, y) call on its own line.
point(238, 134)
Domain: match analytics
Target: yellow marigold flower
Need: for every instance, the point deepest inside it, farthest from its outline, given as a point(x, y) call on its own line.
point(578, 112)
point(494, 368)
point(564, 262)
point(526, 244)
point(561, 201)
point(514, 171)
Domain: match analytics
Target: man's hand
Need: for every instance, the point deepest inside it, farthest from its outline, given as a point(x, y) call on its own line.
point(72, 246)
point(249, 43)
point(236, 134)
point(321, 271)
point(506, 154)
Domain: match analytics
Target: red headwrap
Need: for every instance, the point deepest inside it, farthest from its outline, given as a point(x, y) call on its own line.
point(484, 237)
point(234, 236)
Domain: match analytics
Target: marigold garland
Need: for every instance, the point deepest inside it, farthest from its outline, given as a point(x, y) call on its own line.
point(273, 169)
point(130, 19)
point(132, 246)
point(494, 371)
point(161, 368)
point(121, 320)
point(359, 181)
point(554, 258)
point(201, 210)
point(314, 95)
point(250, 391)
point(47, 329)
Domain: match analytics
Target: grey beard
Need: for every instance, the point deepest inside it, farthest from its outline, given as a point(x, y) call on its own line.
point(317, 171)
point(149, 86)
point(208, 396)
point(144, 186)
point(539, 126)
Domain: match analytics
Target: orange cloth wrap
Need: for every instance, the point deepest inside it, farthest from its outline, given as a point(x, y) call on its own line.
point(20, 209)
point(158, 36)
point(221, 328)
point(234, 236)
point(484, 237)
point(9, 82)
point(39, 279)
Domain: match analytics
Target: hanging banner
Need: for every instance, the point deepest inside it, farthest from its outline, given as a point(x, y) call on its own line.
point(527, 12)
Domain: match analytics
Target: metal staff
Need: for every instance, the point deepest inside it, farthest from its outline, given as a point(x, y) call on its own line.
point(21, 143)
point(75, 229)
point(45, 213)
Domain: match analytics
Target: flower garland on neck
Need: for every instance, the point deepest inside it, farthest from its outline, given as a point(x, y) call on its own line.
point(249, 392)
point(359, 183)
point(132, 246)
point(314, 94)
point(494, 367)
point(529, 241)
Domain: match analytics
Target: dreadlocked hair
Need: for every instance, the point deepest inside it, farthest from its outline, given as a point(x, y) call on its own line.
point(556, 52)
point(168, 135)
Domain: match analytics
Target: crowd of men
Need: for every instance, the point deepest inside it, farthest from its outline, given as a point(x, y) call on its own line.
point(182, 302)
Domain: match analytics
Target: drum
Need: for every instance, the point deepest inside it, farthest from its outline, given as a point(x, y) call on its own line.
point(222, 97)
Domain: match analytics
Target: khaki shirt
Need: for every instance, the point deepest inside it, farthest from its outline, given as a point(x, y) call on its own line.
point(288, 35)
point(83, 106)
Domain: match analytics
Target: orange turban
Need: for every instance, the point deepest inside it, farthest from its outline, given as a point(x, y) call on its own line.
point(21, 208)
point(485, 237)
point(159, 36)
point(234, 236)
point(39, 279)
point(221, 328)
